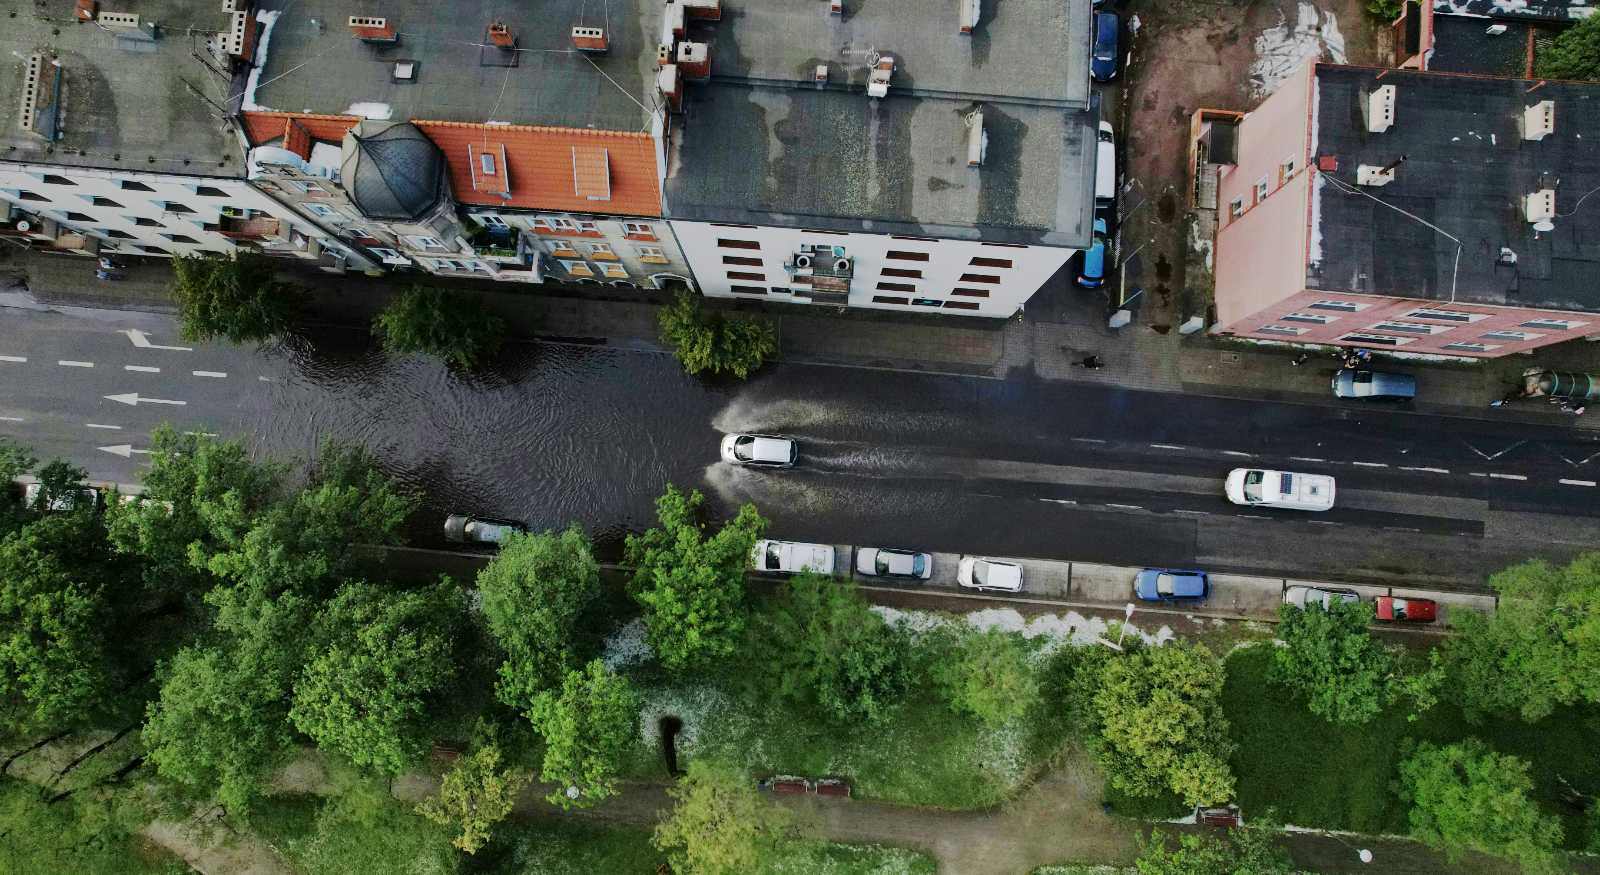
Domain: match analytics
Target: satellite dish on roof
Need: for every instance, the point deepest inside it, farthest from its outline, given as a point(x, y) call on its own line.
point(1544, 225)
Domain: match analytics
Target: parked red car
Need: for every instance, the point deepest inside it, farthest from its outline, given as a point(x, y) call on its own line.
point(1393, 609)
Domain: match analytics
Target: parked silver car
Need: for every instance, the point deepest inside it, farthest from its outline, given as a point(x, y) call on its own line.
point(465, 529)
point(1374, 385)
point(1326, 596)
point(890, 562)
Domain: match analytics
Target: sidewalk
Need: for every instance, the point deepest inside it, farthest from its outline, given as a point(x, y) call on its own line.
point(1061, 326)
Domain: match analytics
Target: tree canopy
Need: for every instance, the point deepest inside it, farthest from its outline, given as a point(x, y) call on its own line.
point(1574, 54)
point(534, 591)
point(383, 657)
point(446, 325)
point(237, 297)
point(1330, 659)
point(1539, 649)
point(587, 726)
point(1242, 851)
point(476, 794)
point(820, 644)
point(1162, 726)
point(692, 586)
point(1467, 797)
point(987, 675)
point(719, 824)
point(714, 342)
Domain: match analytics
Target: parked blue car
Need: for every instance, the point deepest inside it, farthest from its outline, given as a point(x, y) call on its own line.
point(1166, 585)
point(1093, 275)
point(1103, 59)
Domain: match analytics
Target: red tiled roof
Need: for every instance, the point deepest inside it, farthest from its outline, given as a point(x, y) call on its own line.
point(542, 170)
point(262, 126)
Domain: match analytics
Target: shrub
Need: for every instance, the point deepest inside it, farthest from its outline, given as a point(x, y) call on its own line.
point(1466, 797)
point(712, 342)
point(239, 298)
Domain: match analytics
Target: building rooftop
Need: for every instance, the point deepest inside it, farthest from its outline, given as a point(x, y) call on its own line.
point(129, 95)
point(1460, 45)
point(1558, 10)
point(539, 167)
point(1019, 49)
point(839, 160)
point(1467, 171)
point(316, 64)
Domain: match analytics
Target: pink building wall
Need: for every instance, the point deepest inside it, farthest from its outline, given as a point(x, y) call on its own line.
point(1276, 132)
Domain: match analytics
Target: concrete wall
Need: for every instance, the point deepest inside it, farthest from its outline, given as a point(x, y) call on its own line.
point(173, 207)
point(991, 288)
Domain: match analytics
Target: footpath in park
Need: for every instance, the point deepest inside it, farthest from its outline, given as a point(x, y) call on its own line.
point(1060, 326)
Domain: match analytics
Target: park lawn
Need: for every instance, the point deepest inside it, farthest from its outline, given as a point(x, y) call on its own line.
point(317, 837)
point(72, 837)
point(1313, 773)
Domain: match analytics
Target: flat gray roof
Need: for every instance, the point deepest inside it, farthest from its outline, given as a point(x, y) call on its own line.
point(1019, 50)
point(839, 160)
point(128, 98)
point(314, 62)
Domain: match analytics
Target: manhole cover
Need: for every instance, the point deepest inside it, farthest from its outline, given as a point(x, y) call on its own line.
point(1230, 358)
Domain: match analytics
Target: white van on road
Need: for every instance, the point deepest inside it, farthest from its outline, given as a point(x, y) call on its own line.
point(1255, 487)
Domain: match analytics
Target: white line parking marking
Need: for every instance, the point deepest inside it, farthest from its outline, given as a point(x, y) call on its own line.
point(1168, 447)
point(106, 427)
point(1509, 476)
point(1305, 459)
point(68, 363)
point(143, 369)
point(19, 359)
point(1125, 506)
point(1371, 464)
point(1235, 453)
point(1429, 470)
point(1577, 482)
point(218, 374)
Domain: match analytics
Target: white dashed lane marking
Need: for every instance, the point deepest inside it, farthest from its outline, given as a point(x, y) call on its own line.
point(142, 369)
point(11, 419)
point(1089, 440)
point(218, 374)
point(1167, 447)
point(1509, 476)
point(1429, 470)
point(1193, 512)
point(1305, 459)
point(19, 359)
point(106, 427)
point(1126, 506)
point(68, 363)
point(1577, 482)
point(1236, 453)
point(1371, 464)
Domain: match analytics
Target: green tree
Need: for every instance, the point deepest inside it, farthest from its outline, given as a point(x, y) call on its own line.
point(692, 586)
point(1330, 659)
point(715, 342)
point(446, 325)
point(1467, 797)
point(1243, 851)
point(534, 591)
point(1539, 649)
point(987, 674)
point(53, 617)
point(719, 824)
point(476, 794)
point(383, 658)
point(237, 297)
point(15, 461)
point(1162, 726)
point(820, 644)
point(587, 727)
point(1384, 10)
point(60, 481)
point(1575, 53)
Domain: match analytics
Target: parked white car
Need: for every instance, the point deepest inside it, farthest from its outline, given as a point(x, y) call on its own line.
point(1255, 487)
point(1326, 596)
point(86, 497)
point(978, 572)
point(792, 557)
point(763, 450)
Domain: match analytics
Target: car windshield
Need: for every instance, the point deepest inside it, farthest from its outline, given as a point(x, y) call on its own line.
point(980, 572)
point(742, 448)
point(773, 559)
point(882, 565)
point(1252, 485)
point(919, 563)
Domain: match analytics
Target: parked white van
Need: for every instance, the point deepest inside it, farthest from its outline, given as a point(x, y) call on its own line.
point(1254, 487)
point(1105, 167)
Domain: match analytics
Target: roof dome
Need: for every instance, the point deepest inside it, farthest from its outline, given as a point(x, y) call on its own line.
point(392, 171)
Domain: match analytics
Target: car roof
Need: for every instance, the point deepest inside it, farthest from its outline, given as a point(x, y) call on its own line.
point(770, 447)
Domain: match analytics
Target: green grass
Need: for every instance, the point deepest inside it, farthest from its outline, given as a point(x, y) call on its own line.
point(544, 848)
point(82, 834)
point(341, 836)
point(1313, 773)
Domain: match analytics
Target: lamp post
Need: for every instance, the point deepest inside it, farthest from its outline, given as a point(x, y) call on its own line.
point(1127, 614)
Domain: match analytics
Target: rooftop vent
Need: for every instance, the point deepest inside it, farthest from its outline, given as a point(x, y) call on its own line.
point(705, 10)
point(977, 138)
point(671, 87)
point(87, 8)
point(118, 19)
point(1540, 206)
point(500, 36)
point(694, 61)
point(590, 39)
point(820, 75)
point(970, 12)
point(836, 7)
point(1539, 120)
point(233, 41)
point(672, 23)
point(1379, 109)
point(30, 91)
point(1373, 175)
point(1495, 29)
point(372, 29)
point(878, 76)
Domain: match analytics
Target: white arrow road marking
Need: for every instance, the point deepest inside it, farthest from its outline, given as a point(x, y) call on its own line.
point(142, 341)
point(106, 427)
point(1496, 455)
point(123, 450)
point(19, 359)
point(133, 398)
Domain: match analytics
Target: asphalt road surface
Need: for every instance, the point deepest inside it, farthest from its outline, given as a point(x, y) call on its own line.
point(1015, 467)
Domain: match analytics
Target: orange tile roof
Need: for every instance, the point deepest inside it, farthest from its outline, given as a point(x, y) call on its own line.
point(263, 126)
point(542, 171)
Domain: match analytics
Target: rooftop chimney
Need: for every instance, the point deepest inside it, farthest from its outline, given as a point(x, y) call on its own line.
point(671, 88)
point(836, 7)
point(820, 75)
point(977, 139)
point(704, 10)
point(971, 11)
point(87, 9)
point(371, 29)
point(590, 39)
point(1540, 206)
point(694, 61)
point(500, 36)
point(1539, 120)
point(878, 76)
point(1379, 109)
